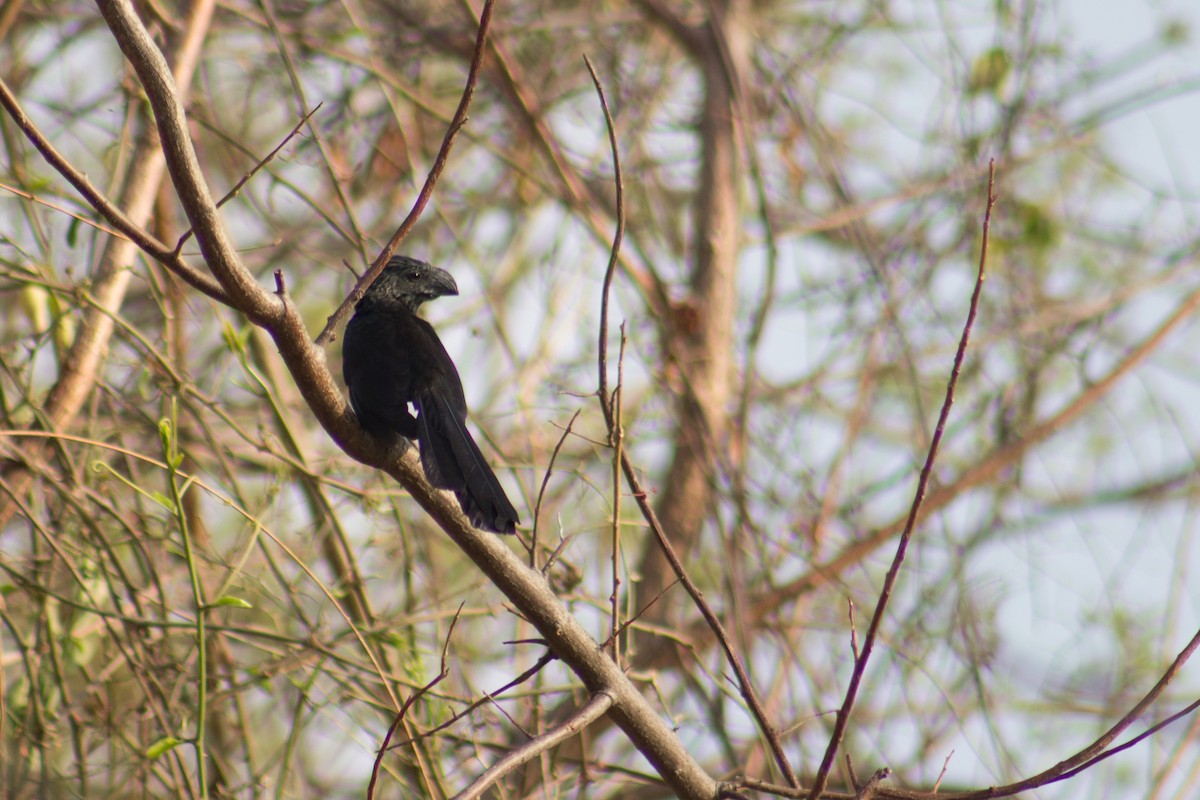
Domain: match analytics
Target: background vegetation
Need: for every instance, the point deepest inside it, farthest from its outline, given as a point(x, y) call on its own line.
point(203, 593)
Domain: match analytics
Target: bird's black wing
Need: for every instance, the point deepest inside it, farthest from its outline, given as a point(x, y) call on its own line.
point(378, 370)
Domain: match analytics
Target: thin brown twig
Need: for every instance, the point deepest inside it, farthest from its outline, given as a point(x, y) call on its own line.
point(1057, 773)
point(237, 187)
point(412, 698)
point(1095, 752)
point(991, 463)
point(614, 251)
point(488, 697)
point(860, 663)
point(618, 441)
point(105, 207)
point(1085, 759)
point(610, 405)
point(1153, 729)
point(633, 619)
point(562, 545)
point(336, 181)
point(589, 712)
point(33, 198)
point(942, 774)
point(745, 687)
point(537, 506)
point(435, 172)
point(869, 789)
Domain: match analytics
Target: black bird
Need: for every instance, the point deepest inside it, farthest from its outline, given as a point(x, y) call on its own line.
point(391, 358)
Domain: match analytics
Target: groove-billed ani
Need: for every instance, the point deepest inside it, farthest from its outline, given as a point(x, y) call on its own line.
point(390, 358)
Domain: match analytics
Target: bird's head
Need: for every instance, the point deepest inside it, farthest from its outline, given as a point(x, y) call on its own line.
point(412, 282)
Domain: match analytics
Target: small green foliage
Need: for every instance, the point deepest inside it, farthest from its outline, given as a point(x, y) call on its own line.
point(1038, 229)
point(236, 340)
point(231, 601)
point(164, 433)
point(1176, 33)
point(163, 745)
point(162, 500)
point(989, 72)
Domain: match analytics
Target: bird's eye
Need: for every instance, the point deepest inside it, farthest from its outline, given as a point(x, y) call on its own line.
point(412, 276)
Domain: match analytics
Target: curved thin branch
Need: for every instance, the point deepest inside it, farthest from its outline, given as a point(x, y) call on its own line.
point(435, 172)
point(586, 715)
point(893, 574)
point(106, 208)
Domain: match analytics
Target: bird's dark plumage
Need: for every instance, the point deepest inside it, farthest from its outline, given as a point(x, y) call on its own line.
point(390, 358)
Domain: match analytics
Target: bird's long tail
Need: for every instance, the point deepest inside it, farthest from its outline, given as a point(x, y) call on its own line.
point(452, 460)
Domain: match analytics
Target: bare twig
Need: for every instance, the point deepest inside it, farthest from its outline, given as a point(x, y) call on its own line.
point(614, 252)
point(1083, 760)
point(1095, 752)
point(745, 687)
point(611, 405)
point(860, 663)
point(356, 237)
point(435, 172)
point(743, 679)
point(489, 697)
point(592, 710)
point(617, 435)
point(33, 198)
point(237, 187)
point(942, 774)
point(126, 226)
point(408, 703)
point(869, 789)
point(530, 594)
point(537, 507)
point(992, 463)
point(1153, 729)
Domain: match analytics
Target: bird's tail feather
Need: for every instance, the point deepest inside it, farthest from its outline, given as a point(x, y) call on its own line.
point(452, 460)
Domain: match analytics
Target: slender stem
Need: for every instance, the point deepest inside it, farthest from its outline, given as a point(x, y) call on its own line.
point(173, 459)
point(893, 574)
point(617, 439)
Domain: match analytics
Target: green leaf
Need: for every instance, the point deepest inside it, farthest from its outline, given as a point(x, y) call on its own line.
point(989, 72)
point(163, 501)
point(229, 600)
point(163, 745)
point(164, 433)
point(1038, 228)
point(236, 340)
point(36, 303)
